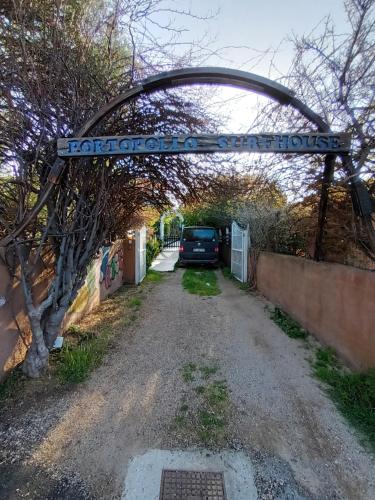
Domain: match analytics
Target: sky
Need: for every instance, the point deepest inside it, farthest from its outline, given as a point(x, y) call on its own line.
point(240, 33)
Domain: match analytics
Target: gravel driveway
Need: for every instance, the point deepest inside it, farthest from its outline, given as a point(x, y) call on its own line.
point(77, 445)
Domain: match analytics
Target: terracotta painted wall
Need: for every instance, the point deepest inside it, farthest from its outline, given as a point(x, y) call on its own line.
point(336, 303)
point(105, 276)
point(13, 319)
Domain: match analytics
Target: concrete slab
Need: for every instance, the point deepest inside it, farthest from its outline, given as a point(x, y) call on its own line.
point(166, 260)
point(144, 472)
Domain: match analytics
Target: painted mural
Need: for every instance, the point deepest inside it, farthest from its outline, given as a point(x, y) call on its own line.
point(86, 292)
point(110, 266)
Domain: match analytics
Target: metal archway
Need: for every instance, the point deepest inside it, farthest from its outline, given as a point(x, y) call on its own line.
point(222, 76)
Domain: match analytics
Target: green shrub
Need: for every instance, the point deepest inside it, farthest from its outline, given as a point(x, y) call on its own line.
point(153, 247)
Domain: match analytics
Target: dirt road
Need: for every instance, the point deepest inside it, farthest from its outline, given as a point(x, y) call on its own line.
point(78, 444)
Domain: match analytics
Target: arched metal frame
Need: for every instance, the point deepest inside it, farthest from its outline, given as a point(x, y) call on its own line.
point(222, 76)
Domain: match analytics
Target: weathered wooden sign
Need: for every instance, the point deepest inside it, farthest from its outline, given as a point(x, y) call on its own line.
point(177, 144)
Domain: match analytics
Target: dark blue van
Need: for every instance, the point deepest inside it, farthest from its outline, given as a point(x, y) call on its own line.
point(199, 245)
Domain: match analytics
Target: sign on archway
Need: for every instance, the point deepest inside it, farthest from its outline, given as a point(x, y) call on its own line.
point(176, 144)
point(321, 141)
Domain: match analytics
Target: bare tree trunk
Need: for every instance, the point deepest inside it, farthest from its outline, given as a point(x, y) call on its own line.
point(53, 325)
point(37, 356)
point(36, 360)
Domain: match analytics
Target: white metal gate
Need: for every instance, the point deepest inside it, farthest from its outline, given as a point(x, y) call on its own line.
point(140, 255)
point(239, 252)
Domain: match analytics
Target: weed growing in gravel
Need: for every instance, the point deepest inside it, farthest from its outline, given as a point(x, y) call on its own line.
point(135, 302)
point(188, 372)
point(206, 416)
point(288, 325)
point(179, 420)
point(200, 282)
point(212, 415)
point(217, 392)
point(74, 363)
point(200, 389)
point(353, 393)
point(207, 371)
point(154, 276)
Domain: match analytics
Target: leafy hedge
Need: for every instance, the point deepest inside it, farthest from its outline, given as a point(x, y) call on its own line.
point(153, 247)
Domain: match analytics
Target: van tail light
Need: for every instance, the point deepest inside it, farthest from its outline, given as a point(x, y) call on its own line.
point(181, 249)
point(216, 249)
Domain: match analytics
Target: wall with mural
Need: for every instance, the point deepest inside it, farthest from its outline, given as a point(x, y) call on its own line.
point(104, 276)
point(111, 267)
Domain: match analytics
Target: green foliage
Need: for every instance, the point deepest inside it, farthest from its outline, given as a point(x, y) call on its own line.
point(187, 372)
point(288, 325)
point(217, 392)
point(214, 214)
point(200, 389)
point(209, 421)
point(154, 276)
point(135, 302)
point(207, 414)
point(75, 363)
point(212, 415)
point(200, 282)
point(153, 248)
point(207, 371)
point(353, 393)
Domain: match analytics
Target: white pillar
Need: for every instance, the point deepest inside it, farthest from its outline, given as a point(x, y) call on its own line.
point(162, 227)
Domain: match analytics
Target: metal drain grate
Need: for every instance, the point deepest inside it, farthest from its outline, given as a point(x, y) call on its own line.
point(192, 485)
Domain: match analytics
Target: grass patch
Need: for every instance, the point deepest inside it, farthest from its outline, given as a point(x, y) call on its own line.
point(200, 389)
point(210, 421)
point(154, 276)
point(353, 393)
point(288, 325)
point(207, 371)
point(187, 372)
point(206, 417)
point(180, 420)
point(74, 363)
point(217, 393)
point(135, 302)
point(212, 414)
point(200, 282)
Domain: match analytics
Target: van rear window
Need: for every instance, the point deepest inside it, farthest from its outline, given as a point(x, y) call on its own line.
point(199, 234)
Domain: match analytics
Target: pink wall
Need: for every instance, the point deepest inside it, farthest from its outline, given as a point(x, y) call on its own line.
point(336, 303)
point(104, 277)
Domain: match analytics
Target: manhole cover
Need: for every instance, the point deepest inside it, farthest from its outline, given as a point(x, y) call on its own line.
point(192, 485)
